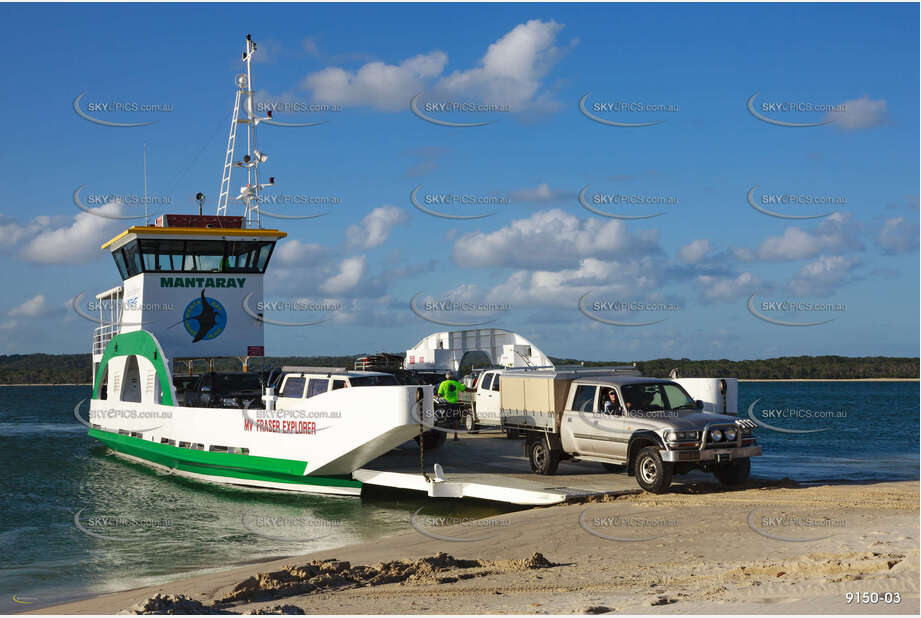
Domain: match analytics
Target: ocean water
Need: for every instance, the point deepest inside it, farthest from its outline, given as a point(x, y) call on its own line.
point(165, 527)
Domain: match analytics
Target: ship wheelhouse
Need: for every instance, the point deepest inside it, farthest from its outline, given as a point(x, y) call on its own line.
point(190, 289)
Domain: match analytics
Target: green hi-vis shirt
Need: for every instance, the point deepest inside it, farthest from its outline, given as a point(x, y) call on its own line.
point(449, 390)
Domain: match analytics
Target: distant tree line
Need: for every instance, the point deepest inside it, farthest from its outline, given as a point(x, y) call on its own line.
point(782, 368)
point(77, 368)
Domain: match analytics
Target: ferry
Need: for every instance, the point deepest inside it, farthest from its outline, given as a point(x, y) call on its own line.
point(189, 286)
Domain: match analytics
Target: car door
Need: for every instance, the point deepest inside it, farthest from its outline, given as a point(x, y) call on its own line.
point(579, 419)
point(612, 428)
point(487, 395)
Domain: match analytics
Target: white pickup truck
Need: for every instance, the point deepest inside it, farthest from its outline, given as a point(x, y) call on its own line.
point(652, 427)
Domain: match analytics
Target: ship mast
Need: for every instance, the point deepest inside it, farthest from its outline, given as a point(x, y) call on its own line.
point(249, 194)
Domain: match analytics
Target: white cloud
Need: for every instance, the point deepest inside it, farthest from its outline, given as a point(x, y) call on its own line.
point(716, 288)
point(510, 72)
point(375, 228)
point(33, 307)
point(631, 278)
point(295, 252)
point(822, 275)
point(898, 236)
point(78, 242)
point(13, 232)
point(694, 252)
point(350, 272)
point(376, 84)
point(554, 240)
point(541, 193)
point(862, 113)
point(834, 234)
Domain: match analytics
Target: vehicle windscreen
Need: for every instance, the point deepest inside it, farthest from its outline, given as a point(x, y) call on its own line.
point(655, 397)
point(385, 380)
point(236, 382)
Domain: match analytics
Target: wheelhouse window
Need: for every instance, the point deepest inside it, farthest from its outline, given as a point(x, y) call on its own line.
point(202, 256)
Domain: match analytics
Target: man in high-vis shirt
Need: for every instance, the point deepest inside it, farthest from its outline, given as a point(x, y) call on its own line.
point(448, 390)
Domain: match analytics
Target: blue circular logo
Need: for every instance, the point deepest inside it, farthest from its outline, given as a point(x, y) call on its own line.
point(204, 318)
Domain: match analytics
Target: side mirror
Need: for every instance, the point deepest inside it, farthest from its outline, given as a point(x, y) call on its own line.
point(700, 404)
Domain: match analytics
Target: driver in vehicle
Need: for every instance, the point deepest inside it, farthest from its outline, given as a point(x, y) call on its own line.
point(611, 403)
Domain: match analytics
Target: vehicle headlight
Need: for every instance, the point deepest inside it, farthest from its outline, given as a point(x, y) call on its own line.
point(716, 435)
point(731, 434)
point(671, 436)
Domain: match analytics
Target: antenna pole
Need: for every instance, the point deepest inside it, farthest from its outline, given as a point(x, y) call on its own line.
point(146, 219)
point(252, 159)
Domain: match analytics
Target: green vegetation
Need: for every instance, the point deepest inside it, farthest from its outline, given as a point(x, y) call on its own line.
point(76, 368)
point(782, 368)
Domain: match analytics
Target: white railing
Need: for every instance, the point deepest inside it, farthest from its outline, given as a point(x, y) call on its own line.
point(102, 336)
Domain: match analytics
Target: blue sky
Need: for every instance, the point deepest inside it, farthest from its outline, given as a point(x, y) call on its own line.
point(542, 250)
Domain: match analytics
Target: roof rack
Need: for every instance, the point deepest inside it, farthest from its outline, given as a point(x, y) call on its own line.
point(578, 370)
point(299, 369)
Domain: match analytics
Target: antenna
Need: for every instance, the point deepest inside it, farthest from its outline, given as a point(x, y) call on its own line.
point(146, 218)
point(253, 158)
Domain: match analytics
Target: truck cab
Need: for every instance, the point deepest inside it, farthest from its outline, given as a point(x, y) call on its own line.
point(486, 404)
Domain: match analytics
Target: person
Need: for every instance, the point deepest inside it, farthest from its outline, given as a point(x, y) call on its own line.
point(448, 390)
point(611, 405)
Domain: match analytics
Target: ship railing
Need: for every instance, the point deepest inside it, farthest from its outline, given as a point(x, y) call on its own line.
point(102, 336)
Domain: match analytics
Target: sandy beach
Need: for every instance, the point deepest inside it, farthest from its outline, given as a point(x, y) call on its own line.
point(772, 547)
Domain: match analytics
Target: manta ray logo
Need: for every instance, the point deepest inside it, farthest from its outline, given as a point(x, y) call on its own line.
point(204, 318)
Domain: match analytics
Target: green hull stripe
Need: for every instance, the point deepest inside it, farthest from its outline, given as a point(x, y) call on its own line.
point(230, 465)
point(138, 343)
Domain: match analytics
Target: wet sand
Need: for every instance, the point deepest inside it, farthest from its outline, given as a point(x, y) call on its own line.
point(773, 547)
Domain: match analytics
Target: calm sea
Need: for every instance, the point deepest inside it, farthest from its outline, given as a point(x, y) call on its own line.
point(168, 527)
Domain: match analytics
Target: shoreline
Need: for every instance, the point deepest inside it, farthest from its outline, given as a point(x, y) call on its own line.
point(497, 572)
point(740, 380)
